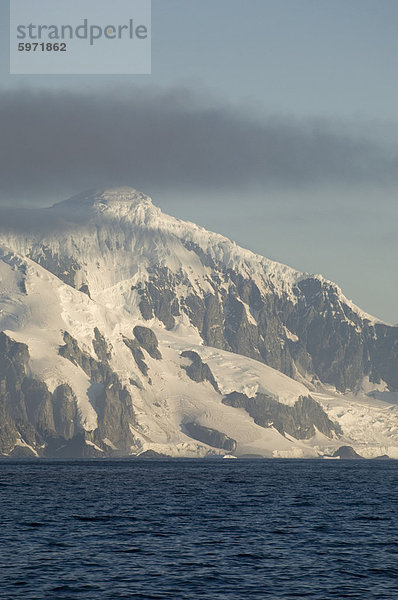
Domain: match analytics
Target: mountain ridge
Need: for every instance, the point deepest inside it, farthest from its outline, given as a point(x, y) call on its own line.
point(128, 203)
point(118, 263)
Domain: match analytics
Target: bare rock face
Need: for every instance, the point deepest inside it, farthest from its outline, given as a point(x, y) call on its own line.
point(198, 371)
point(65, 412)
point(75, 447)
point(158, 298)
point(318, 333)
point(138, 355)
point(48, 424)
point(347, 453)
point(63, 267)
point(22, 452)
point(211, 437)
point(298, 421)
point(25, 403)
point(100, 346)
point(147, 340)
point(111, 401)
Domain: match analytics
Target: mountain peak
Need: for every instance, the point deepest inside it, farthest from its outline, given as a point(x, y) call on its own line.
point(124, 194)
point(119, 203)
point(106, 198)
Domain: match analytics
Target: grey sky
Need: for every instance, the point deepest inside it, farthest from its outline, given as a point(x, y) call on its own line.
point(170, 141)
point(272, 121)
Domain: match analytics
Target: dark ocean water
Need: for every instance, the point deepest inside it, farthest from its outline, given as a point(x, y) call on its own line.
point(216, 530)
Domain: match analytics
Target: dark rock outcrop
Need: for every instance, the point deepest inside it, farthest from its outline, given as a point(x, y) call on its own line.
point(315, 332)
point(85, 290)
point(347, 453)
point(22, 452)
point(25, 403)
point(298, 420)
point(211, 437)
point(198, 371)
point(100, 346)
point(65, 412)
point(49, 423)
point(76, 447)
point(138, 355)
point(65, 268)
point(158, 297)
point(147, 340)
point(111, 401)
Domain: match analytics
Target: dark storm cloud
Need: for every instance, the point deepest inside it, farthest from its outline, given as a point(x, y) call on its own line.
point(66, 142)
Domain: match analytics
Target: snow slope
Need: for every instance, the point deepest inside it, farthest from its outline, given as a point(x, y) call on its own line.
point(105, 235)
point(50, 307)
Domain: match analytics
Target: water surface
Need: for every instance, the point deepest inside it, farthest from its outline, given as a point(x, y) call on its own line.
point(190, 529)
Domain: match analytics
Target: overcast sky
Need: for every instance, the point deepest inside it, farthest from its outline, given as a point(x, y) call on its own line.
point(273, 122)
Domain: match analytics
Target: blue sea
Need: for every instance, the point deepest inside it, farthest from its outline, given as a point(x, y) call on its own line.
point(190, 529)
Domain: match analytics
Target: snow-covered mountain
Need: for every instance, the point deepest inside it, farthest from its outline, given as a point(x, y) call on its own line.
point(124, 330)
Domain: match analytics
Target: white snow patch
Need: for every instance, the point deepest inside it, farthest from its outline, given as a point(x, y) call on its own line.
point(109, 443)
point(89, 443)
point(290, 336)
point(20, 442)
point(249, 315)
point(235, 373)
